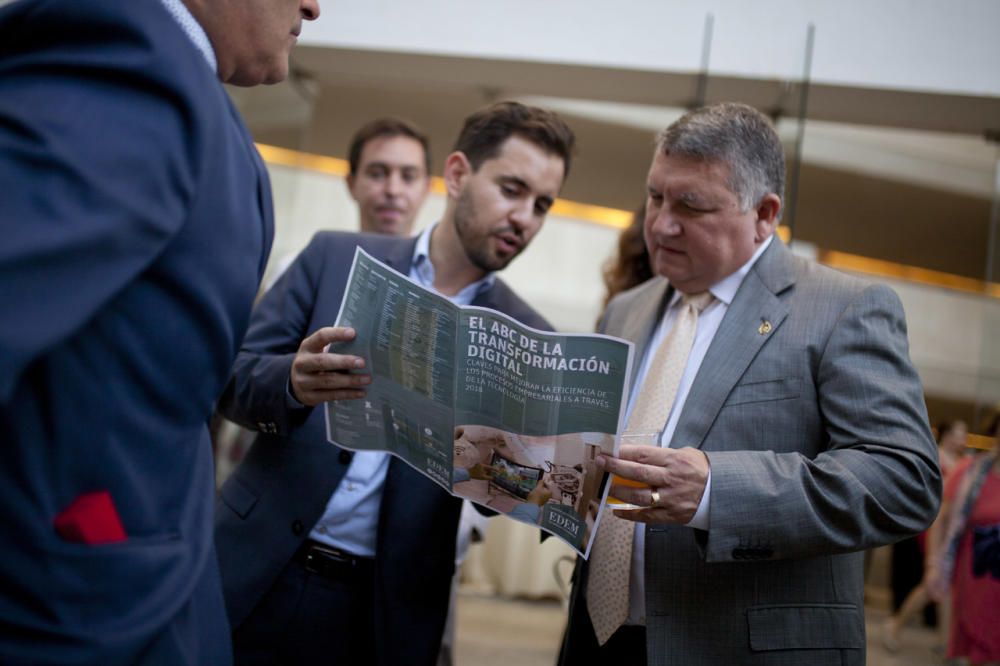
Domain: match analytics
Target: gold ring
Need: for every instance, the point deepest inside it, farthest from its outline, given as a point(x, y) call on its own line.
point(655, 497)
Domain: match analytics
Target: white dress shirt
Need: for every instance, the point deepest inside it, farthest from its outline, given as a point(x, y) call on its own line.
point(708, 324)
point(350, 521)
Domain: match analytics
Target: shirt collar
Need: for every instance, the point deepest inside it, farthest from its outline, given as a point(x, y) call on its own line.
point(423, 269)
point(725, 289)
point(189, 24)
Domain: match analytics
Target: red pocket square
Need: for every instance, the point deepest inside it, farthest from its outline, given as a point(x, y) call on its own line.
point(92, 519)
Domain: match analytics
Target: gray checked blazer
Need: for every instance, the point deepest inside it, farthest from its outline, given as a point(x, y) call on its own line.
point(813, 420)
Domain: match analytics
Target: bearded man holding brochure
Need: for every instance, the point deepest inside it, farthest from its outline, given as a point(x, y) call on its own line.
point(339, 557)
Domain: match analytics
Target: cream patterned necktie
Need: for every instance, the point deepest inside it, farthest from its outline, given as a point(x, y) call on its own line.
point(611, 556)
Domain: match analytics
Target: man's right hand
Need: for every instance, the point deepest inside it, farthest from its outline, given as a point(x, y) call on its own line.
point(319, 376)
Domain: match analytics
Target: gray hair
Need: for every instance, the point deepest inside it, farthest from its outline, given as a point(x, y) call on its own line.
point(738, 136)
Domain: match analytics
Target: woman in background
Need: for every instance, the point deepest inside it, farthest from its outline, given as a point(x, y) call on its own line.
point(630, 267)
point(952, 440)
point(965, 549)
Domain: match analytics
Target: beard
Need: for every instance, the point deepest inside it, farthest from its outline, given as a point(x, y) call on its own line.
point(476, 241)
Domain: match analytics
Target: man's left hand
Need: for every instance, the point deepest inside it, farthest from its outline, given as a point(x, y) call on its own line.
point(678, 476)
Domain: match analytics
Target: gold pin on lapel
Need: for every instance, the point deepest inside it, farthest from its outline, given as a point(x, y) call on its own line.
point(764, 328)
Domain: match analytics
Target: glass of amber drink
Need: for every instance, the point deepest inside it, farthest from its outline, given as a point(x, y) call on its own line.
point(632, 438)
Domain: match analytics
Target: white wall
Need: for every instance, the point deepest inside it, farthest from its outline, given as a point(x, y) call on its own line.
point(954, 341)
point(922, 45)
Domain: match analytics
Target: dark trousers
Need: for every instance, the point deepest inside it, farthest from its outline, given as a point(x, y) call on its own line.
point(311, 615)
point(626, 647)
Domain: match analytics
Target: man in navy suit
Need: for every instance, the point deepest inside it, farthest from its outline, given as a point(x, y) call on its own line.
point(334, 557)
point(125, 171)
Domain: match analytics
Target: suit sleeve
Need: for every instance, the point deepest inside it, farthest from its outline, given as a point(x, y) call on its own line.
point(97, 167)
point(878, 479)
point(257, 394)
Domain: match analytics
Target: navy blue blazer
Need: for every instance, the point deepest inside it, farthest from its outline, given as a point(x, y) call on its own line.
point(135, 222)
point(276, 496)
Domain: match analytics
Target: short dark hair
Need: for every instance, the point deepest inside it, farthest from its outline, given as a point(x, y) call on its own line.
point(487, 129)
point(737, 135)
point(386, 127)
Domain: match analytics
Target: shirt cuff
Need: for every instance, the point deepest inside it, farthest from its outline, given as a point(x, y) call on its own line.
point(700, 519)
point(290, 400)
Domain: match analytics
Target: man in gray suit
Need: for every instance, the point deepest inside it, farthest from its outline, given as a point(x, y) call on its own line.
point(798, 436)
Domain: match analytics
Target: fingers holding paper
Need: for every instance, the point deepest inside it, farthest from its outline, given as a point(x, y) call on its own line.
point(674, 482)
point(318, 375)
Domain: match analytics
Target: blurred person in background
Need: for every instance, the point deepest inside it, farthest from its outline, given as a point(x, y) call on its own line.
point(952, 440)
point(136, 221)
point(389, 179)
point(965, 555)
point(630, 266)
point(390, 164)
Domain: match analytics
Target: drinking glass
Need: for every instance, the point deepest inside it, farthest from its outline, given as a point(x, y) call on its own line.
point(651, 438)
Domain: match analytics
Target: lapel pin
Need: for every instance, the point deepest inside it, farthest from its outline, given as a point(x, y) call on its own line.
point(764, 328)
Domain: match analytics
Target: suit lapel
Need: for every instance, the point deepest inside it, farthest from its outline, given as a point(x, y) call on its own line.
point(264, 201)
point(266, 207)
point(744, 330)
point(488, 299)
point(399, 256)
